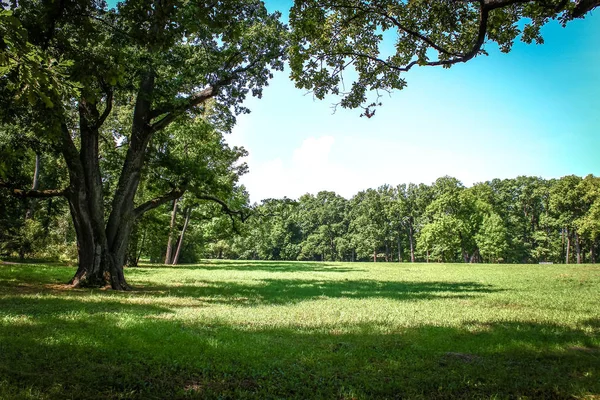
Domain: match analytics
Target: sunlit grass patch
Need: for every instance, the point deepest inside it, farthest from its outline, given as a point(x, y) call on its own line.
point(303, 330)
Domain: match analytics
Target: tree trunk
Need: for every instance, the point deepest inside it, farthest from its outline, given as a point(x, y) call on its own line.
point(577, 248)
point(168, 257)
point(568, 246)
point(188, 213)
point(387, 251)
point(399, 249)
point(411, 241)
point(375, 255)
point(427, 255)
point(34, 186)
point(101, 260)
point(132, 249)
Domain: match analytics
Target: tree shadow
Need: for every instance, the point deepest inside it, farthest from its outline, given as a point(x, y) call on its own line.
point(140, 354)
point(284, 291)
point(269, 266)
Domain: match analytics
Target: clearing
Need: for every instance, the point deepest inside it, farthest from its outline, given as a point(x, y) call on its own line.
point(243, 329)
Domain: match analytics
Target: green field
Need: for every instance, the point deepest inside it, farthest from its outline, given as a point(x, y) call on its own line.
point(304, 330)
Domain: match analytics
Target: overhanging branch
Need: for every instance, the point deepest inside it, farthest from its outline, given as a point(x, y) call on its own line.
point(152, 204)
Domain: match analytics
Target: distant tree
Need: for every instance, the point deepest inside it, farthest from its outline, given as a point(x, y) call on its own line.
point(368, 223)
point(322, 219)
point(492, 238)
point(568, 205)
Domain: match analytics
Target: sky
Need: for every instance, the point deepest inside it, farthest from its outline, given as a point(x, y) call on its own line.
point(532, 112)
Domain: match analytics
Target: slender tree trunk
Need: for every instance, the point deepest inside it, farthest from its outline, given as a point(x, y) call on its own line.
point(577, 247)
point(568, 246)
point(375, 255)
point(562, 243)
point(427, 255)
point(411, 242)
point(34, 186)
point(387, 251)
point(168, 256)
point(332, 247)
point(139, 255)
point(188, 213)
point(592, 253)
point(399, 249)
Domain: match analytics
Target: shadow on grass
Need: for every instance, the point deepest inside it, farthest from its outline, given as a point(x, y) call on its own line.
point(269, 266)
point(283, 291)
point(140, 354)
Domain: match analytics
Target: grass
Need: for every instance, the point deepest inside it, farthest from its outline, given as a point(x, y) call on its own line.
point(303, 330)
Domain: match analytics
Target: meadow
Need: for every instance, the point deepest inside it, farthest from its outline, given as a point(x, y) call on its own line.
point(273, 330)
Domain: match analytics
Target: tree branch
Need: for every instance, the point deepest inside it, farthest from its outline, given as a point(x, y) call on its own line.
point(107, 110)
point(225, 208)
point(173, 111)
point(152, 204)
point(192, 101)
point(482, 30)
point(27, 193)
point(583, 7)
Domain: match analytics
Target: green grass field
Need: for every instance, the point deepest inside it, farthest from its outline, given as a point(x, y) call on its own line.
point(304, 330)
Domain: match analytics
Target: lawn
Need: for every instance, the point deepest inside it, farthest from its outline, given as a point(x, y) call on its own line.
point(303, 330)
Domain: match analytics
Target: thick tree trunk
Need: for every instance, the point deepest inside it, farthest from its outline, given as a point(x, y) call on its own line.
point(168, 256)
point(100, 262)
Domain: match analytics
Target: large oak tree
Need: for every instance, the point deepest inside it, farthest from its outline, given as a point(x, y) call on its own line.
point(165, 59)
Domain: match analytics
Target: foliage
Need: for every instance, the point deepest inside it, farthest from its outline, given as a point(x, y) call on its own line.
point(357, 49)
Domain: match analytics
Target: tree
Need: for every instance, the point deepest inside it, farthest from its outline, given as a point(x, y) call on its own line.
point(322, 220)
point(492, 238)
point(166, 60)
point(336, 41)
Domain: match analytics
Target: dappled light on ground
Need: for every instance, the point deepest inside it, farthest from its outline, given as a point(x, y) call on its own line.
point(235, 330)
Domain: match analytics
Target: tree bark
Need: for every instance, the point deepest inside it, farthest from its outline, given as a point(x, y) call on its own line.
point(188, 213)
point(375, 255)
point(168, 256)
point(34, 186)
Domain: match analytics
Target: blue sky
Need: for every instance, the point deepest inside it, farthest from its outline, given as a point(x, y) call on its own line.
point(530, 112)
point(533, 111)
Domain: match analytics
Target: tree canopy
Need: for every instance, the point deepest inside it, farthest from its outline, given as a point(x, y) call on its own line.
point(357, 49)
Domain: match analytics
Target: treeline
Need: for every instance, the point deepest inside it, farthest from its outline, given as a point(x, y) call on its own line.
point(521, 220)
